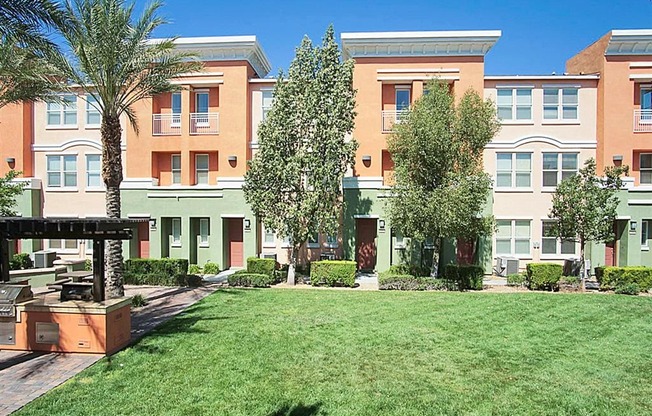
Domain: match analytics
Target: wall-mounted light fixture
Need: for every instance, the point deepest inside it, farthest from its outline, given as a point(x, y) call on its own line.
point(152, 223)
point(233, 158)
point(11, 160)
point(366, 159)
point(632, 226)
point(536, 245)
point(381, 224)
point(247, 224)
point(617, 158)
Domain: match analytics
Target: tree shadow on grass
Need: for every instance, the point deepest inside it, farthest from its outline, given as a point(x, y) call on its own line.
point(299, 410)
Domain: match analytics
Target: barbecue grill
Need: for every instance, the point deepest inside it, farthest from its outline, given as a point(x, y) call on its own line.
point(10, 295)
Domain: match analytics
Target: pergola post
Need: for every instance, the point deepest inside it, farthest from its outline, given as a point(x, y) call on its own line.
point(4, 260)
point(98, 270)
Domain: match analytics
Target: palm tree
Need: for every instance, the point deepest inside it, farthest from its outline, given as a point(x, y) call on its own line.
point(112, 60)
point(25, 74)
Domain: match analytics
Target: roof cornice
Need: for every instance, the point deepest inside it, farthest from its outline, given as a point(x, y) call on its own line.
point(432, 43)
point(226, 48)
point(630, 42)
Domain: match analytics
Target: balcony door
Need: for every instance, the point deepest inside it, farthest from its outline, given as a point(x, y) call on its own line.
point(176, 109)
point(201, 108)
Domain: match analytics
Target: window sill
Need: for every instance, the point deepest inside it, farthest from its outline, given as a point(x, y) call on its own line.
point(204, 245)
point(332, 245)
point(175, 245)
point(399, 247)
point(645, 248)
point(65, 250)
point(93, 127)
point(62, 127)
point(517, 122)
point(62, 189)
point(560, 122)
point(514, 190)
point(557, 256)
point(95, 189)
point(518, 256)
point(269, 245)
point(286, 246)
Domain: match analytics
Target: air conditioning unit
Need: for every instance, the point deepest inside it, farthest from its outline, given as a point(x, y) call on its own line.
point(44, 259)
point(506, 266)
point(327, 256)
point(572, 267)
point(268, 256)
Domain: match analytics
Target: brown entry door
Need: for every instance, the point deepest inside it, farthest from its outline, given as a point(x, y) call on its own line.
point(366, 243)
point(143, 240)
point(236, 244)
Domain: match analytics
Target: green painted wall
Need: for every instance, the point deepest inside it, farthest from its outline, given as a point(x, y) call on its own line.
point(29, 205)
point(190, 205)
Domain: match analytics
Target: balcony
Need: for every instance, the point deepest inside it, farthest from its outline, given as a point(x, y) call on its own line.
point(166, 124)
point(204, 123)
point(391, 117)
point(642, 121)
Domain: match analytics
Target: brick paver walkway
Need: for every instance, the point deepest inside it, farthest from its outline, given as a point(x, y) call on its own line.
point(24, 376)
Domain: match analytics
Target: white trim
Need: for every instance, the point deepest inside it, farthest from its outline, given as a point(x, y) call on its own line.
point(542, 139)
point(71, 143)
point(623, 217)
point(61, 189)
point(178, 195)
point(263, 80)
point(421, 34)
point(541, 77)
point(415, 70)
point(30, 183)
point(139, 215)
point(367, 216)
point(234, 182)
point(641, 188)
point(232, 216)
point(639, 202)
point(640, 77)
point(640, 65)
point(513, 190)
point(138, 183)
point(514, 86)
point(560, 122)
point(418, 78)
point(514, 217)
point(578, 86)
point(202, 82)
point(200, 74)
point(630, 42)
point(362, 182)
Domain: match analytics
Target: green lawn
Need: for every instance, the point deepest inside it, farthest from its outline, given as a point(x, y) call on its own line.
point(318, 352)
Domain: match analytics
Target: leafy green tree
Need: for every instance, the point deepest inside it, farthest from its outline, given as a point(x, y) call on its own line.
point(9, 191)
point(294, 181)
point(113, 61)
point(584, 206)
point(25, 74)
point(440, 188)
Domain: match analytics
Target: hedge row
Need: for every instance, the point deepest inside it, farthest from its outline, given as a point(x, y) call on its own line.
point(465, 277)
point(159, 272)
point(246, 279)
point(614, 277)
point(543, 276)
point(261, 266)
point(409, 282)
point(408, 269)
point(20, 261)
point(333, 273)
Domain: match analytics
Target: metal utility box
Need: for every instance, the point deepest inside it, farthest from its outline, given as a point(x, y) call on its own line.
point(44, 259)
point(572, 267)
point(506, 266)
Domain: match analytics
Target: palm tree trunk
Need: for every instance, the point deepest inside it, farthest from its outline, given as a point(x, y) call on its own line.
point(112, 176)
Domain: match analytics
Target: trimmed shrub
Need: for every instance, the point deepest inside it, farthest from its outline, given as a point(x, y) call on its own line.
point(158, 272)
point(614, 277)
point(569, 284)
point(408, 269)
point(261, 266)
point(543, 276)
point(516, 279)
point(466, 277)
point(194, 269)
point(281, 276)
point(20, 261)
point(333, 273)
point(246, 279)
point(211, 268)
point(599, 273)
point(628, 289)
point(409, 282)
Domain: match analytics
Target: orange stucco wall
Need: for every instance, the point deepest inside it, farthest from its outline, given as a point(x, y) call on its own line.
point(373, 96)
point(234, 128)
point(16, 138)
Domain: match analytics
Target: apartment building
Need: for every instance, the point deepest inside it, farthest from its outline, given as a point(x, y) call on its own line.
point(623, 61)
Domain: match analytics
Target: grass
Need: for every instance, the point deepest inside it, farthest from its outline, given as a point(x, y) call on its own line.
point(316, 352)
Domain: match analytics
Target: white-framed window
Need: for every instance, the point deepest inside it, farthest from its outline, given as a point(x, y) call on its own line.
point(175, 103)
point(557, 167)
point(402, 99)
point(560, 103)
point(645, 167)
point(268, 101)
point(268, 237)
point(646, 99)
point(176, 169)
point(513, 170)
point(93, 171)
point(61, 171)
point(62, 113)
point(331, 241)
point(201, 169)
point(176, 231)
point(204, 231)
point(513, 237)
point(93, 115)
point(63, 244)
point(514, 103)
point(399, 239)
point(550, 244)
point(646, 233)
point(313, 240)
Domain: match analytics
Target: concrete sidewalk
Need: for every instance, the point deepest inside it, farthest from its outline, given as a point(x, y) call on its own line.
point(28, 375)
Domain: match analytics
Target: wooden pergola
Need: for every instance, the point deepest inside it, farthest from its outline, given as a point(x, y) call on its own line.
point(96, 229)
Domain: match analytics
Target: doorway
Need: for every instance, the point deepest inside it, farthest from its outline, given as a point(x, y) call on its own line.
point(365, 238)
